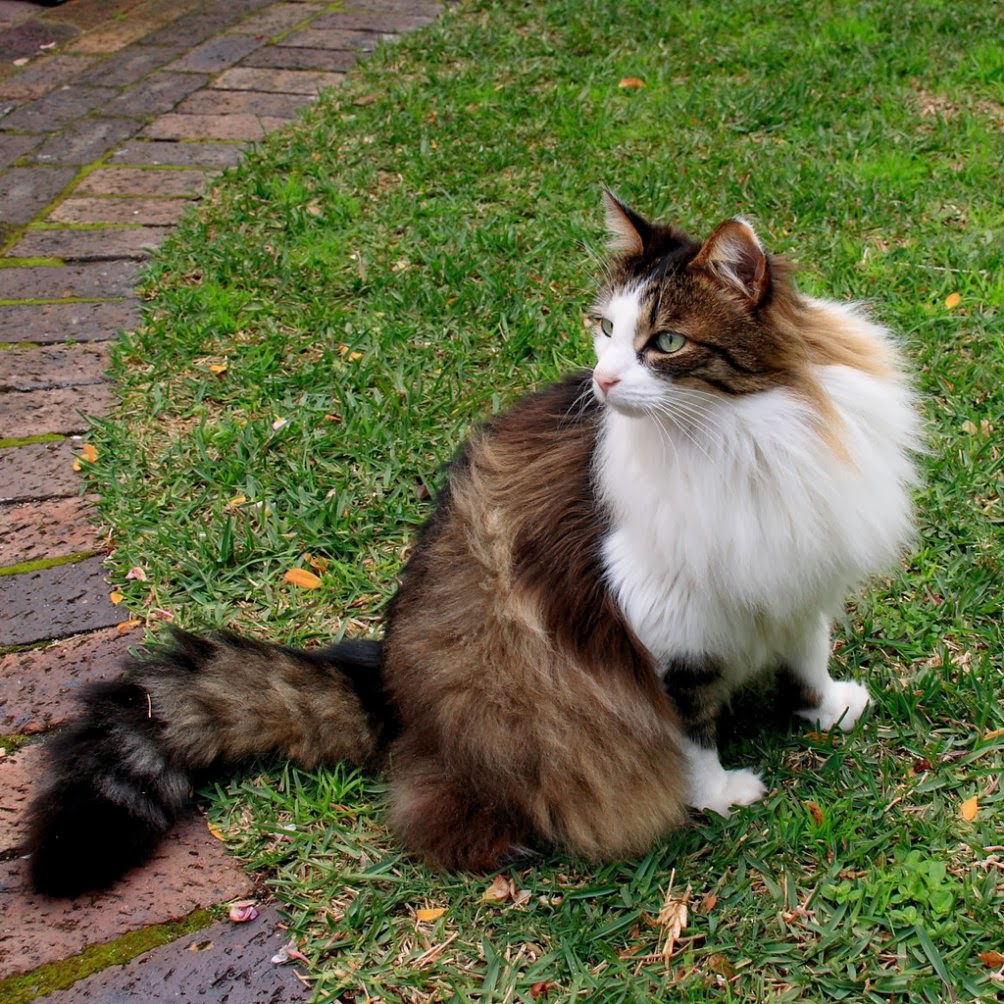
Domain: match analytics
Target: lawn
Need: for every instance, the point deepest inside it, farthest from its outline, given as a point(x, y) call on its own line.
point(416, 253)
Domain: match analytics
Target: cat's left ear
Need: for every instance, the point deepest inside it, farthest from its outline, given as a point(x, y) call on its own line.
point(734, 257)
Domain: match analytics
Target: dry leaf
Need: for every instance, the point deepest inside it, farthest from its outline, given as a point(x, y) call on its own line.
point(672, 918)
point(541, 989)
point(218, 368)
point(969, 808)
point(499, 891)
point(116, 598)
point(288, 953)
point(214, 831)
point(995, 734)
point(952, 300)
point(128, 625)
point(89, 453)
point(709, 903)
point(816, 812)
point(631, 83)
point(21, 62)
point(279, 423)
point(237, 500)
point(302, 578)
point(318, 564)
point(993, 960)
point(433, 913)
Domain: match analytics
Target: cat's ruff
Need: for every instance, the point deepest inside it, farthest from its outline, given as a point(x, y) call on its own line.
point(607, 563)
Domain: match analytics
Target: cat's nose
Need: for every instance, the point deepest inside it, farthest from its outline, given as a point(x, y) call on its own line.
point(605, 383)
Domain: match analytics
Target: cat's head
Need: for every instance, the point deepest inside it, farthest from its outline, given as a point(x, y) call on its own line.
point(677, 316)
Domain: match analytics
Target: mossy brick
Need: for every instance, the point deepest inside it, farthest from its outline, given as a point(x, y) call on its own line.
point(413, 7)
point(141, 23)
point(278, 18)
point(43, 75)
point(217, 54)
point(15, 145)
point(157, 94)
point(193, 29)
point(146, 212)
point(137, 181)
point(47, 323)
point(104, 244)
point(333, 38)
point(53, 366)
point(59, 411)
point(84, 141)
point(129, 65)
point(56, 528)
point(244, 78)
point(58, 108)
point(39, 471)
point(223, 964)
point(26, 191)
point(88, 15)
point(190, 871)
point(56, 602)
point(288, 58)
point(213, 102)
point(158, 153)
point(100, 280)
point(26, 39)
point(379, 22)
point(235, 127)
point(39, 687)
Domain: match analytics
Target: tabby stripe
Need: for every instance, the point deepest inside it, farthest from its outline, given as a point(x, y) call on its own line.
point(729, 358)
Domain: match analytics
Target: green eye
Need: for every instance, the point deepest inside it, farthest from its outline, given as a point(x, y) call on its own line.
point(606, 326)
point(670, 341)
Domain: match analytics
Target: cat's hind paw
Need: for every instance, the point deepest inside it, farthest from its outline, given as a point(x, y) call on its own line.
point(720, 790)
point(843, 704)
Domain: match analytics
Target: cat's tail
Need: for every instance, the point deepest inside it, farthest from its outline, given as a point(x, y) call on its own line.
point(119, 776)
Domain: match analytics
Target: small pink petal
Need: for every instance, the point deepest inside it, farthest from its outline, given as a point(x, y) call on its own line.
point(242, 912)
point(136, 573)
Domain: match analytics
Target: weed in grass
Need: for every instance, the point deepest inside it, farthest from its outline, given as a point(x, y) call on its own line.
point(416, 253)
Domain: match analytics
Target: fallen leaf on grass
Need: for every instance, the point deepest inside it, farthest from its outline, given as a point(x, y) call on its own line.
point(136, 573)
point(995, 734)
point(89, 452)
point(541, 989)
point(969, 808)
point(115, 598)
point(952, 300)
point(816, 812)
point(631, 83)
point(432, 913)
point(302, 578)
point(219, 369)
point(214, 831)
point(672, 919)
point(128, 625)
point(503, 890)
point(993, 960)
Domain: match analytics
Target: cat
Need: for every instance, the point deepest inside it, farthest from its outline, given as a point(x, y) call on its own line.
point(607, 562)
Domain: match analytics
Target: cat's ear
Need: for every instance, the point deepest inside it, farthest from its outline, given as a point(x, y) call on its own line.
point(629, 232)
point(734, 257)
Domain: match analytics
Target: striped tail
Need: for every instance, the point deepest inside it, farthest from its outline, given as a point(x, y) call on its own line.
point(121, 774)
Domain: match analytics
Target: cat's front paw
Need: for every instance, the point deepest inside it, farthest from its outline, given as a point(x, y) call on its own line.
point(843, 703)
point(720, 790)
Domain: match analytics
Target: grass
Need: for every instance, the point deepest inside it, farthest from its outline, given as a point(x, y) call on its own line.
point(415, 254)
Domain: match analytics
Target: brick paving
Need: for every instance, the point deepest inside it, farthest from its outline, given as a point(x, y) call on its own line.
point(113, 115)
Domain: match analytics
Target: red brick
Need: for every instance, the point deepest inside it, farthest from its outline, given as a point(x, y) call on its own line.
point(191, 871)
point(43, 75)
point(223, 964)
point(159, 93)
point(48, 323)
point(137, 181)
point(237, 127)
point(38, 471)
point(216, 54)
point(26, 191)
point(283, 58)
point(129, 65)
point(53, 366)
point(106, 244)
point(244, 78)
point(155, 153)
point(278, 18)
point(142, 20)
point(56, 603)
point(213, 102)
point(17, 775)
point(57, 528)
point(87, 15)
point(332, 38)
point(150, 212)
point(386, 22)
point(84, 141)
point(39, 686)
point(51, 411)
point(43, 282)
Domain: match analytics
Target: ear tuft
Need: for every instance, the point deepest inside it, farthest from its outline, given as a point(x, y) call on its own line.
point(734, 257)
point(628, 230)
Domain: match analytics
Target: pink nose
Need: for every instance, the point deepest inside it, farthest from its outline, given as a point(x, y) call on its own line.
point(605, 383)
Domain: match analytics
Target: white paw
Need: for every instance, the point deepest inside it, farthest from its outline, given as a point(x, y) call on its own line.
point(720, 790)
point(844, 702)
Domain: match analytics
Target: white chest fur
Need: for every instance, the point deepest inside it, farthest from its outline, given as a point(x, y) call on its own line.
point(731, 537)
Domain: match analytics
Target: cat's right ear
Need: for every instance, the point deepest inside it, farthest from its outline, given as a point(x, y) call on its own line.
point(629, 232)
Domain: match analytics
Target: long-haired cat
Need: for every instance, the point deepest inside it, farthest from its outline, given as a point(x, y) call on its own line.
point(607, 562)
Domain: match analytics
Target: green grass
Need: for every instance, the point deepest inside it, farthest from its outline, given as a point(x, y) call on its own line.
point(418, 252)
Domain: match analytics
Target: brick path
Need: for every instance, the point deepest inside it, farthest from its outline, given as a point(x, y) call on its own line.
point(112, 115)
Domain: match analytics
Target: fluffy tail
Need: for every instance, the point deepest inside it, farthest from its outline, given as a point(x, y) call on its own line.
point(120, 775)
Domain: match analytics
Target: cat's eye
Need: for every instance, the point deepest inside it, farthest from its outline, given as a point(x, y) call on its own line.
point(669, 341)
point(606, 326)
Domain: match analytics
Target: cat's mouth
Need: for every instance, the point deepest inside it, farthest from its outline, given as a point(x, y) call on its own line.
point(613, 394)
